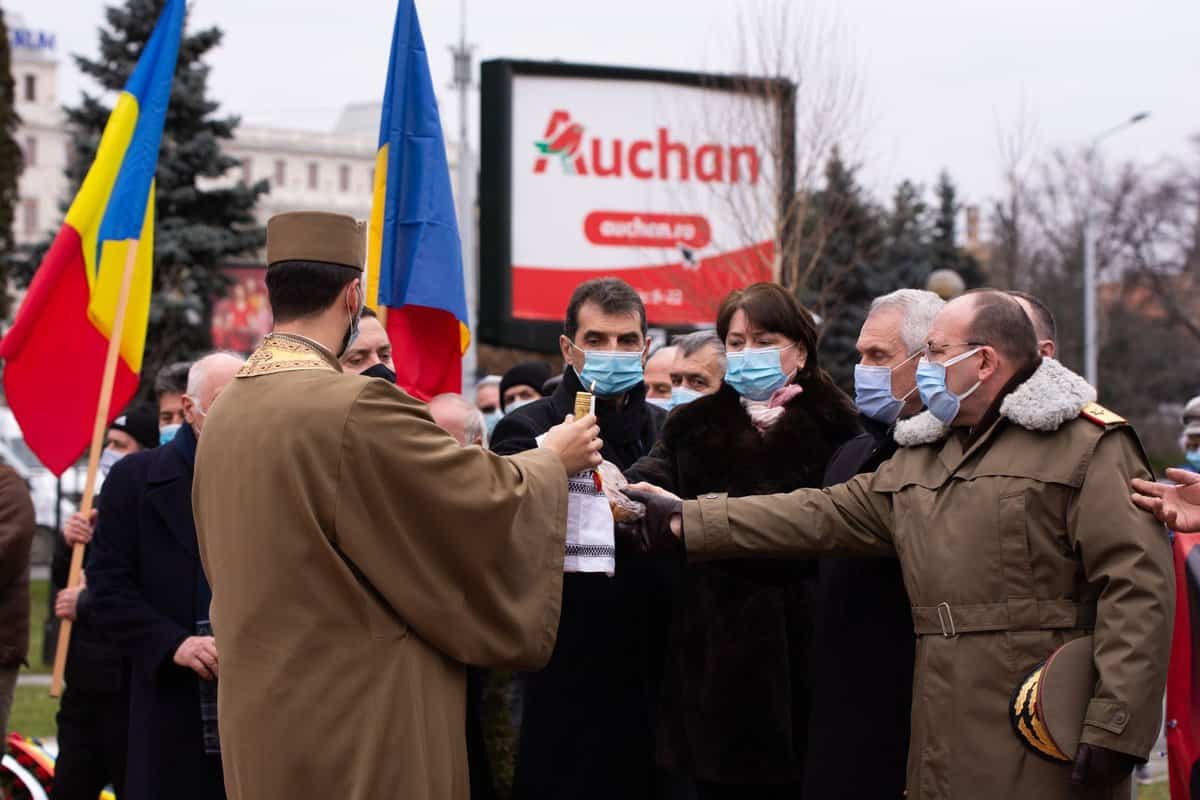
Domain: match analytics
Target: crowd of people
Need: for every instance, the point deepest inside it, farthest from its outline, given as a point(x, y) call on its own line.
point(819, 582)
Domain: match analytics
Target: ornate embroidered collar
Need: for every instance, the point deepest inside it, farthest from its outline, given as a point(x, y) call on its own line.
point(285, 352)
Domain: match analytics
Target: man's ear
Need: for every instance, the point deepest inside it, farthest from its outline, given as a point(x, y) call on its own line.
point(565, 346)
point(990, 364)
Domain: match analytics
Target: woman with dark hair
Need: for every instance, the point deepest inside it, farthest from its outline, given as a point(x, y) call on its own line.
point(734, 705)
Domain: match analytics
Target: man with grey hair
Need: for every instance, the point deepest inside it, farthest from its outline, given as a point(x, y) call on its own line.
point(864, 644)
point(699, 366)
point(459, 418)
point(150, 594)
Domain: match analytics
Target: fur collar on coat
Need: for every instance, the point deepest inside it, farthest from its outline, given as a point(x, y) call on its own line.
point(1052, 395)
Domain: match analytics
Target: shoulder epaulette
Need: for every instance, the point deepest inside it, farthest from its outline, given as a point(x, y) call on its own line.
point(1101, 415)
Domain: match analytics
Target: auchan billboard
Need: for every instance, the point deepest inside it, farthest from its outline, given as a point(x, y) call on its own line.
point(667, 180)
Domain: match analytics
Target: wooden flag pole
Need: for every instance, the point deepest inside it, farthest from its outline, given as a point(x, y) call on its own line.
point(99, 427)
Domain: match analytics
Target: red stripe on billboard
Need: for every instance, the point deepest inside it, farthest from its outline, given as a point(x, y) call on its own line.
point(675, 294)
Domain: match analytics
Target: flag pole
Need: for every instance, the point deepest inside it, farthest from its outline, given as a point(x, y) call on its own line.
point(99, 426)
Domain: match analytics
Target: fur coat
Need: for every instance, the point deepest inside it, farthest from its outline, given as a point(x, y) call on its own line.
point(735, 688)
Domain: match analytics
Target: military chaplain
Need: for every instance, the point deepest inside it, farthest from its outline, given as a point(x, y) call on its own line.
point(358, 556)
point(1006, 504)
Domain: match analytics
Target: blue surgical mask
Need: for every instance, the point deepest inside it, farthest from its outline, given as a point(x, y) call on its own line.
point(681, 396)
point(492, 419)
point(873, 391)
point(756, 373)
point(167, 433)
point(612, 372)
point(1192, 457)
point(931, 383)
point(662, 402)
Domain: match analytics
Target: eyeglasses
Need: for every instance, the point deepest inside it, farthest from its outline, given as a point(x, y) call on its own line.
point(934, 349)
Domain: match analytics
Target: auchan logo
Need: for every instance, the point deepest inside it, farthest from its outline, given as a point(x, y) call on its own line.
point(659, 158)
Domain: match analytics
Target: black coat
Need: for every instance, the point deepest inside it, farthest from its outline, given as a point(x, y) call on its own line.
point(149, 591)
point(863, 655)
point(588, 724)
point(736, 686)
point(94, 664)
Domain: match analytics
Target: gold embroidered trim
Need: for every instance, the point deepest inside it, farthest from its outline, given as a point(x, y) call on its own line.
point(284, 354)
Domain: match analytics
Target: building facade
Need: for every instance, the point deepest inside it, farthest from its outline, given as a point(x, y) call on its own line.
point(306, 170)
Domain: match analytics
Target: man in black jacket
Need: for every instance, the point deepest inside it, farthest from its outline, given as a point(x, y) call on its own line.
point(151, 596)
point(588, 721)
point(93, 718)
point(864, 646)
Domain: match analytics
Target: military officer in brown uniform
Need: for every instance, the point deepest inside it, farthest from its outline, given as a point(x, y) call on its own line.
point(358, 556)
point(1007, 507)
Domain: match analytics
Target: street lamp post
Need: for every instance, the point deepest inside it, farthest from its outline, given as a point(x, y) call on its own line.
point(1091, 354)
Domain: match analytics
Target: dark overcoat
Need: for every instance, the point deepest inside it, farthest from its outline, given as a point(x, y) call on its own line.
point(736, 685)
point(148, 592)
point(587, 728)
point(863, 651)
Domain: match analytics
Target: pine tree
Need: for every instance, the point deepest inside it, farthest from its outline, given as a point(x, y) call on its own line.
point(945, 252)
point(844, 234)
point(11, 163)
point(196, 229)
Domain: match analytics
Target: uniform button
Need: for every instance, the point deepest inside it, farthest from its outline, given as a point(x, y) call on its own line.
point(1121, 717)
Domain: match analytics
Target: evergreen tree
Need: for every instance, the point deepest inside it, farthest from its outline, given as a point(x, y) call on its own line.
point(196, 229)
point(906, 261)
point(11, 163)
point(843, 234)
point(945, 252)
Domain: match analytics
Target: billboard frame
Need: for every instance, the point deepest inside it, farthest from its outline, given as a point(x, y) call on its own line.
point(496, 325)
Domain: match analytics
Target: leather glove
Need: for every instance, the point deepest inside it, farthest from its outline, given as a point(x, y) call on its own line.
point(1100, 767)
point(651, 535)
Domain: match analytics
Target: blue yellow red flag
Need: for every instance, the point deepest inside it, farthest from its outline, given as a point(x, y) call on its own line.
point(54, 353)
point(414, 255)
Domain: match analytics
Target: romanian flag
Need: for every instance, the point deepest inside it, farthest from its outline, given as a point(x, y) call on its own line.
point(414, 257)
point(54, 353)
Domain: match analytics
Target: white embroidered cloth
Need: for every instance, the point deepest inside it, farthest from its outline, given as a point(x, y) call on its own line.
point(590, 543)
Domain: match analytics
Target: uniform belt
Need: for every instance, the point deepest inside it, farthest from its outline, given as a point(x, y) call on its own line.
point(1022, 614)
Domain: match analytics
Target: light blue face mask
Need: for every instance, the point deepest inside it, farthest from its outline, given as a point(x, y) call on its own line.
point(107, 459)
point(492, 419)
point(756, 373)
point(662, 402)
point(931, 383)
point(681, 396)
point(167, 433)
point(873, 391)
point(1192, 457)
point(612, 372)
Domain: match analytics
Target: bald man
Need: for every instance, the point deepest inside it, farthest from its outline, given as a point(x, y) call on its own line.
point(459, 418)
point(150, 594)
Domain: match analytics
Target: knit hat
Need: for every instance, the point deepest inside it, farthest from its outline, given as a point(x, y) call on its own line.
point(141, 422)
point(528, 373)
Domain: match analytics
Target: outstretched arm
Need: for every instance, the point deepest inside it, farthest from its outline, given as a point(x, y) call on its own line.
point(1177, 506)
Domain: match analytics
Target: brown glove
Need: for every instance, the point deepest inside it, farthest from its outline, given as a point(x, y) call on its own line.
point(651, 535)
point(1100, 767)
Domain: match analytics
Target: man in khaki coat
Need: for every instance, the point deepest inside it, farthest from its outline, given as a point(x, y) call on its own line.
point(1015, 532)
point(358, 556)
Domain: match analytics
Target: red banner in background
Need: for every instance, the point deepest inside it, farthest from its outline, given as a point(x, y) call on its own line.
point(242, 317)
point(683, 293)
point(1183, 675)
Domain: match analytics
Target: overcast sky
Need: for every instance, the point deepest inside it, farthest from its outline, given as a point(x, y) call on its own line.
point(939, 75)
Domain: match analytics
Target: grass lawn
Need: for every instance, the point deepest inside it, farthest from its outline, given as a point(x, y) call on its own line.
point(33, 712)
point(1157, 791)
point(38, 591)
